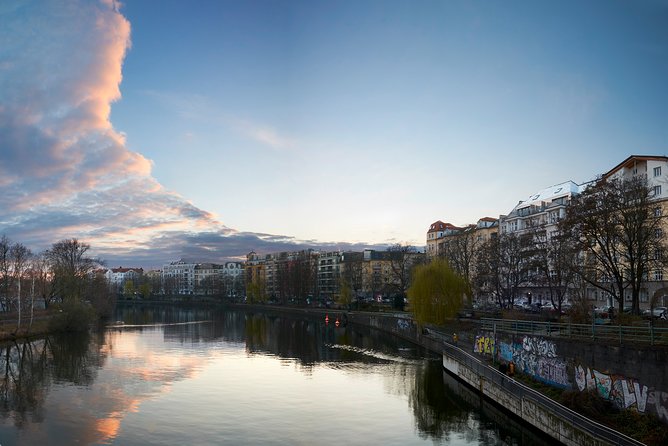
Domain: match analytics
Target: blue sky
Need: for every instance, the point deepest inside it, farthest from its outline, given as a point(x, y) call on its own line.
point(342, 123)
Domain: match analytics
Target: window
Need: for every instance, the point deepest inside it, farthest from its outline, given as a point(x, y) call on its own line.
point(658, 275)
point(644, 296)
point(657, 191)
point(657, 212)
point(657, 171)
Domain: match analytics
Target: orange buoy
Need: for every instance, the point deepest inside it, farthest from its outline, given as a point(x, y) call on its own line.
point(337, 322)
point(326, 319)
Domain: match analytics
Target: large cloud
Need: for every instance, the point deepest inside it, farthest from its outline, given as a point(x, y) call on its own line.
point(64, 170)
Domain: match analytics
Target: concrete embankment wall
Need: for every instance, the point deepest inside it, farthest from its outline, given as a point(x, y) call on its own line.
point(555, 420)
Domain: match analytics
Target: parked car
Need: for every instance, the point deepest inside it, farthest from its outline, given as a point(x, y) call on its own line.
point(656, 312)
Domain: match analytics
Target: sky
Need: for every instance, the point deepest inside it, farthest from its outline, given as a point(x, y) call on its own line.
point(157, 129)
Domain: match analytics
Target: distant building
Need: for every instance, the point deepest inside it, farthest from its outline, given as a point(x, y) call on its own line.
point(118, 276)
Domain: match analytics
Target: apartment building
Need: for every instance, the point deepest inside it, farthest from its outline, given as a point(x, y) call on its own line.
point(435, 235)
point(654, 169)
point(330, 268)
point(118, 276)
point(544, 209)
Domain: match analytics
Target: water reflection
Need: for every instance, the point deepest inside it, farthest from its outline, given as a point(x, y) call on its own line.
point(161, 378)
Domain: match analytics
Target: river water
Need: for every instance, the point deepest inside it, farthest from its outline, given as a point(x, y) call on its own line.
point(172, 375)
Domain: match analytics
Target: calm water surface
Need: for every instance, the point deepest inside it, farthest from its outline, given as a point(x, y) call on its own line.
point(174, 375)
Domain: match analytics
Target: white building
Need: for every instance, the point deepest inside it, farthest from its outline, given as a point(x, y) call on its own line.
point(179, 277)
point(544, 208)
point(118, 276)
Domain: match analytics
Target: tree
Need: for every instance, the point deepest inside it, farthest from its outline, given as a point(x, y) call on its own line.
point(556, 259)
point(505, 262)
point(617, 224)
point(460, 251)
point(436, 294)
point(20, 256)
point(41, 274)
point(345, 294)
point(5, 272)
point(403, 259)
point(70, 267)
point(128, 289)
point(353, 273)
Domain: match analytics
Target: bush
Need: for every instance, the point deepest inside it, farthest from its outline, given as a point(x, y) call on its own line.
point(72, 316)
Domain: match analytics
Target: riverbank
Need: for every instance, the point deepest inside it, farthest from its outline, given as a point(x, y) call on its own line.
point(10, 331)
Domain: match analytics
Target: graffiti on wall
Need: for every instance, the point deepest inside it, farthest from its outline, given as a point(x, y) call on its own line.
point(484, 344)
point(623, 392)
point(538, 358)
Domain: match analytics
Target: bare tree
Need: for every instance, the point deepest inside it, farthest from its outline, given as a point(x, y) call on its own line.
point(70, 267)
point(403, 259)
point(618, 226)
point(20, 256)
point(556, 259)
point(460, 251)
point(504, 266)
point(353, 272)
point(5, 272)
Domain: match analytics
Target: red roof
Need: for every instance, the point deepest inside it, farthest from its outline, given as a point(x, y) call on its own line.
point(125, 270)
point(440, 226)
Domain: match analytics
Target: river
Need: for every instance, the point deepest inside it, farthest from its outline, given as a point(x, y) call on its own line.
point(174, 375)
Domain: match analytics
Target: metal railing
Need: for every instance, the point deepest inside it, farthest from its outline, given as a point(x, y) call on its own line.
point(523, 392)
point(647, 334)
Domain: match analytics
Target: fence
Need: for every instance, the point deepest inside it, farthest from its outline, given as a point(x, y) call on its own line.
point(528, 395)
point(648, 334)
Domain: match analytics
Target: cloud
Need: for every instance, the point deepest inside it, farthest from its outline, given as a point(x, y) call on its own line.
point(66, 172)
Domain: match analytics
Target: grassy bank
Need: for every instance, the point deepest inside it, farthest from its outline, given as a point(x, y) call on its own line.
point(10, 331)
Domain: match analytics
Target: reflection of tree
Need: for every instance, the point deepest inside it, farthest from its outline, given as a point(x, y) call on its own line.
point(22, 388)
point(437, 411)
point(27, 369)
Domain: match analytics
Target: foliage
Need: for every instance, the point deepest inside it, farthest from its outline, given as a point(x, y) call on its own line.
point(128, 288)
point(437, 293)
point(255, 291)
point(345, 295)
point(72, 317)
point(145, 290)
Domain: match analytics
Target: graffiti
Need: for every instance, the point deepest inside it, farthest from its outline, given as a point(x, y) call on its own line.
point(623, 392)
point(659, 402)
point(403, 324)
point(538, 358)
point(484, 345)
point(539, 346)
point(506, 352)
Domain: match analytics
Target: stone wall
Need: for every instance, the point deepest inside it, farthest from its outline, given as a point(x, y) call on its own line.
point(630, 377)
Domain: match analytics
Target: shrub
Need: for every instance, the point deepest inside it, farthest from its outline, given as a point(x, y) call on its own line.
point(72, 316)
